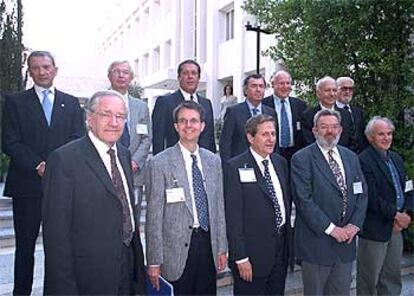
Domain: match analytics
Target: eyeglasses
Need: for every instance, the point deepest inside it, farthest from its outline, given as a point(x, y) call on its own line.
point(119, 72)
point(107, 116)
point(347, 88)
point(192, 121)
point(329, 126)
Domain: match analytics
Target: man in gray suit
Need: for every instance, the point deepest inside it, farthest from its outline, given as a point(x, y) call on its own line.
point(137, 131)
point(330, 194)
point(185, 223)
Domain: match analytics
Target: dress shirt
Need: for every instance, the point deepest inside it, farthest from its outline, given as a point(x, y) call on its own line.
point(188, 161)
point(39, 91)
point(102, 149)
point(251, 107)
point(338, 159)
point(187, 96)
point(342, 105)
point(324, 108)
point(278, 109)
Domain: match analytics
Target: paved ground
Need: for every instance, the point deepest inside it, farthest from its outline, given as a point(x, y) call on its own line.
point(293, 284)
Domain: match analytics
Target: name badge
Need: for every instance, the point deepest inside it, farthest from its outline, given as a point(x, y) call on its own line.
point(247, 175)
point(298, 126)
point(408, 185)
point(357, 187)
point(142, 129)
point(175, 195)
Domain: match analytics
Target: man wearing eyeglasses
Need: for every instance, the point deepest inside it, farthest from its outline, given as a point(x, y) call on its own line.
point(345, 94)
point(185, 225)
point(137, 131)
point(35, 122)
point(90, 233)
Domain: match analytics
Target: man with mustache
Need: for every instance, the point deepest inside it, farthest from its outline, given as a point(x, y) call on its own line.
point(329, 191)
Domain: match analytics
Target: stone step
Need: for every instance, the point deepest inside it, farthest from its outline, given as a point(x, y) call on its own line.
point(6, 218)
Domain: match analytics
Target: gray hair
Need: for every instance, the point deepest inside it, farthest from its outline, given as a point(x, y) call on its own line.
point(342, 79)
point(323, 80)
point(253, 122)
point(371, 123)
point(326, 112)
point(91, 104)
point(278, 73)
point(116, 63)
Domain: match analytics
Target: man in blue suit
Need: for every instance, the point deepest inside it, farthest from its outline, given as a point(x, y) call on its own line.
point(164, 133)
point(35, 122)
point(390, 197)
point(329, 191)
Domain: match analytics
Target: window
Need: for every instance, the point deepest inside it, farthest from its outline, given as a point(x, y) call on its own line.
point(230, 24)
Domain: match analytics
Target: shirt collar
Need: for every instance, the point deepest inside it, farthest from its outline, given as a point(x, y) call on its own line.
point(324, 108)
point(100, 146)
point(257, 157)
point(39, 90)
point(187, 153)
point(279, 100)
point(187, 96)
point(341, 105)
point(325, 151)
point(251, 106)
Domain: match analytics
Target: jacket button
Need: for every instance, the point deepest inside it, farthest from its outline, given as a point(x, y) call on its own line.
point(185, 245)
point(190, 227)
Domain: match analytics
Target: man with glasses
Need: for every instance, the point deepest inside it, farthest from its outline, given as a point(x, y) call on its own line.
point(35, 122)
point(137, 131)
point(345, 94)
point(185, 229)
point(90, 233)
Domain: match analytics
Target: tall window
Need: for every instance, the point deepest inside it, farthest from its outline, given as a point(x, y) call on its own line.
point(230, 24)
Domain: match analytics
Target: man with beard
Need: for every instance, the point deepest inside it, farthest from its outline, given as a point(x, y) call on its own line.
point(330, 194)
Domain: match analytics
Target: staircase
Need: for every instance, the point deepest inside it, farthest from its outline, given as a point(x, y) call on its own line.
point(6, 223)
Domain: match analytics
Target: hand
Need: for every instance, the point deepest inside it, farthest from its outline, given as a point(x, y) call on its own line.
point(396, 227)
point(351, 230)
point(134, 166)
point(41, 168)
point(402, 219)
point(245, 271)
point(339, 234)
point(154, 273)
point(221, 261)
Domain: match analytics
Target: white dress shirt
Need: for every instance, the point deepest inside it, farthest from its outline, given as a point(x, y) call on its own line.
point(187, 96)
point(39, 91)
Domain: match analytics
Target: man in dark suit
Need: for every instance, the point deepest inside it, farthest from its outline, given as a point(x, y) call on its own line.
point(185, 225)
point(326, 91)
point(390, 206)
point(329, 192)
point(345, 94)
point(35, 122)
point(257, 198)
point(288, 110)
point(164, 133)
point(233, 139)
point(90, 235)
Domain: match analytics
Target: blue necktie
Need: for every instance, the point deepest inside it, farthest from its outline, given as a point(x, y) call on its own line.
point(255, 111)
point(47, 106)
point(272, 192)
point(200, 195)
point(284, 126)
point(397, 184)
point(126, 138)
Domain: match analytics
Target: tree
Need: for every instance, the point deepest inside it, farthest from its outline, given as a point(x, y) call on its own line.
point(135, 90)
point(369, 40)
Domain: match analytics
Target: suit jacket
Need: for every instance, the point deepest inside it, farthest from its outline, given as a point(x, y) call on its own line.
point(169, 225)
point(297, 107)
point(28, 140)
point(140, 139)
point(381, 194)
point(82, 223)
point(359, 139)
point(250, 214)
point(233, 139)
point(164, 133)
point(319, 202)
point(346, 123)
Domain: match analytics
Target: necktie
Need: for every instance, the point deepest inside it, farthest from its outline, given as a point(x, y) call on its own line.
point(255, 111)
point(397, 183)
point(340, 180)
point(347, 108)
point(120, 193)
point(47, 106)
point(126, 138)
point(272, 192)
point(191, 97)
point(200, 195)
point(284, 126)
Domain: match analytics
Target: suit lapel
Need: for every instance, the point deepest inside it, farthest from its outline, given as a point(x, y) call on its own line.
point(58, 109)
point(251, 162)
point(347, 168)
point(381, 164)
point(35, 107)
point(323, 166)
point(126, 167)
point(281, 176)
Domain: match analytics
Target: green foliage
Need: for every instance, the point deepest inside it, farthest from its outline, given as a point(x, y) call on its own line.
point(135, 90)
point(369, 40)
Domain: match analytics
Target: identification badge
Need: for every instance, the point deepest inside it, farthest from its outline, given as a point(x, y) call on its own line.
point(247, 175)
point(175, 195)
point(408, 185)
point(142, 129)
point(298, 126)
point(357, 187)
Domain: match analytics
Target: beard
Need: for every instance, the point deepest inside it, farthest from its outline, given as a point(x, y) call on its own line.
point(326, 144)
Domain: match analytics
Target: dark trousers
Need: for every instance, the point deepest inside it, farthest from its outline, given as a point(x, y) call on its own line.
point(127, 271)
point(274, 283)
point(27, 213)
point(199, 275)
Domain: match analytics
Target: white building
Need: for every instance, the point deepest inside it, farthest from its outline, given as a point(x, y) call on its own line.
point(156, 35)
